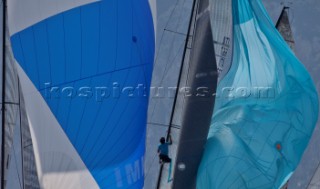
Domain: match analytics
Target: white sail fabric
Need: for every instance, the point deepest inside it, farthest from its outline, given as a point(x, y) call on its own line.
point(315, 181)
point(22, 168)
point(221, 22)
point(29, 170)
point(11, 103)
point(56, 148)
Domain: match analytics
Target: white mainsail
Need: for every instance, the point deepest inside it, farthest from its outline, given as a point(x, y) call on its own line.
point(29, 170)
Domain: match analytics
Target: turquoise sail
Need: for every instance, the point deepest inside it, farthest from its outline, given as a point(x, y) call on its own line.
point(265, 112)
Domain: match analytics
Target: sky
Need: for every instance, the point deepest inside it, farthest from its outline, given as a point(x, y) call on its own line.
point(304, 17)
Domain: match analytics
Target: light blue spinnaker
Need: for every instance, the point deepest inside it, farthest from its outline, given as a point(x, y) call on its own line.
point(265, 112)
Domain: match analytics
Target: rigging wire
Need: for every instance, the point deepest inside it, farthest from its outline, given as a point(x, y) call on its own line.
point(194, 9)
point(3, 95)
point(171, 43)
point(315, 172)
point(160, 42)
point(148, 172)
point(194, 5)
point(173, 60)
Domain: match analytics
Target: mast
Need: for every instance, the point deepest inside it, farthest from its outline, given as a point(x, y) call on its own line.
point(170, 50)
point(193, 11)
point(3, 97)
point(208, 52)
point(198, 110)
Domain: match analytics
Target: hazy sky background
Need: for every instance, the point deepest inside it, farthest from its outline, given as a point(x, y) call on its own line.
point(305, 21)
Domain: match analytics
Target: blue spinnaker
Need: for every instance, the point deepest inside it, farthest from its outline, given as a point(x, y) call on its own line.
point(265, 112)
point(85, 68)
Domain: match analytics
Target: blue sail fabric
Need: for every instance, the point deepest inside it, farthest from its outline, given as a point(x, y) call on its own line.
point(92, 65)
point(265, 112)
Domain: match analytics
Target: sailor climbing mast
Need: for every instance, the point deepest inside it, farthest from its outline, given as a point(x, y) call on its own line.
point(208, 49)
point(162, 181)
